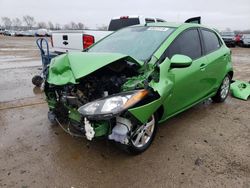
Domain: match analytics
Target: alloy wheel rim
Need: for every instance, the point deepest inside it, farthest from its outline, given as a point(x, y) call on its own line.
point(225, 87)
point(144, 133)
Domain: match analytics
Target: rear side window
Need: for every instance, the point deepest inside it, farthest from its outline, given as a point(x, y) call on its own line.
point(188, 43)
point(211, 41)
point(121, 23)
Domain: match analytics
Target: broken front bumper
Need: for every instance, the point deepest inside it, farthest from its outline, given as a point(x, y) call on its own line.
point(240, 89)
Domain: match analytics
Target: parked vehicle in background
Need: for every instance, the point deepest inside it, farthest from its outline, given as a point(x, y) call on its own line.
point(19, 33)
point(2, 31)
point(75, 40)
point(117, 23)
point(42, 33)
point(78, 40)
point(9, 33)
point(245, 40)
point(28, 33)
point(229, 38)
point(152, 73)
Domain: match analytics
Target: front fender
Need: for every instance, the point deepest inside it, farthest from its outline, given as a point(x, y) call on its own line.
point(163, 87)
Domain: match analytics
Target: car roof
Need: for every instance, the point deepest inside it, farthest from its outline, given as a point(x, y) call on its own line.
point(173, 24)
point(181, 26)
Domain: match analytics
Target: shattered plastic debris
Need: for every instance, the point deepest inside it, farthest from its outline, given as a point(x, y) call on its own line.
point(89, 130)
point(240, 89)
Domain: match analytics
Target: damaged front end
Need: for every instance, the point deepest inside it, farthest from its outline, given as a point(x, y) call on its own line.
point(94, 95)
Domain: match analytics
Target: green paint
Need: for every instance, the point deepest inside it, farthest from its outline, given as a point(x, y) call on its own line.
point(67, 68)
point(240, 89)
point(138, 82)
point(180, 61)
point(163, 87)
point(144, 112)
point(101, 128)
point(74, 114)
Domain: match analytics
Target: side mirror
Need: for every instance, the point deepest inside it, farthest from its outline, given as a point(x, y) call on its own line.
point(180, 61)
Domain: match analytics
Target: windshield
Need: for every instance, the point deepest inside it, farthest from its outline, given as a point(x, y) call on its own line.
point(137, 42)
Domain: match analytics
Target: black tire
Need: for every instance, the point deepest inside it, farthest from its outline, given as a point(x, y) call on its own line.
point(223, 90)
point(37, 80)
point(135, 150)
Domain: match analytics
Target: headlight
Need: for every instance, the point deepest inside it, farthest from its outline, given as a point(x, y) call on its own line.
point(113, 104)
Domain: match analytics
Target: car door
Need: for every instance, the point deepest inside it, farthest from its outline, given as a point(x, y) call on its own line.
point(188, 82)
point(217, 57)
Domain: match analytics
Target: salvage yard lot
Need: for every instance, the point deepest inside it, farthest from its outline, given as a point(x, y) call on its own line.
point(206, 146)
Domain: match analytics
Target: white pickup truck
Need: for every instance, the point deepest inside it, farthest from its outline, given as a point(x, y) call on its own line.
point(77, 40)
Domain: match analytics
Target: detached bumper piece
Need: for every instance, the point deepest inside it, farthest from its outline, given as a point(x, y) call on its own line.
point(240, 89)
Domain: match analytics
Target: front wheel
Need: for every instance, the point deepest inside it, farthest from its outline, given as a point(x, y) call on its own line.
point(142, 138)
point(223, 91)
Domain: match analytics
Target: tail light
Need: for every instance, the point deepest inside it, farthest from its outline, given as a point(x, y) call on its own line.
point(51, 40)
point(124, 17)
point(87, 40)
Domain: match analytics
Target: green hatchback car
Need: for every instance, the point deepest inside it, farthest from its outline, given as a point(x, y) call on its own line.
point(135, 78)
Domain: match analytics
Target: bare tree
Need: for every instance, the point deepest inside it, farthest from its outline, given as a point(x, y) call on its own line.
point(66, 26)
point(29, 20)
point(7, 22)
point(41, 25)
point(80, 25)
point(17, 23)
point(57, 26)
point(103, 27)
point(51, 25)
point(73, 25)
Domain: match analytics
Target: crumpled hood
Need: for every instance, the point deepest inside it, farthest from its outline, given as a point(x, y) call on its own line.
point(69, 67)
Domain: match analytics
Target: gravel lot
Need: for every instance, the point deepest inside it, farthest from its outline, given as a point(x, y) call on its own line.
point(206, 146)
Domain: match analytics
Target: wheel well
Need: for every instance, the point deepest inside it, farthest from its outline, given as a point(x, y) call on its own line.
point(160, 112)
point(231, 73)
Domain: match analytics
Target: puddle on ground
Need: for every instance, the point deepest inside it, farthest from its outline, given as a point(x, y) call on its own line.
point(37, 90)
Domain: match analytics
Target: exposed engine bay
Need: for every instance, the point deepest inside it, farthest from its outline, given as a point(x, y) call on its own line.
point(101, 83)
point(105, 81)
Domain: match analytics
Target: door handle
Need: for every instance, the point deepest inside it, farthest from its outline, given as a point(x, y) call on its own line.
point(203, 66)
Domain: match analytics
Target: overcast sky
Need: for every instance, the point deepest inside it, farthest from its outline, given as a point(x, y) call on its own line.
point(220, 14)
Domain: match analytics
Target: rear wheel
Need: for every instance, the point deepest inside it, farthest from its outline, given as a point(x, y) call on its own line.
point(223, 91)
point(142, 138)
